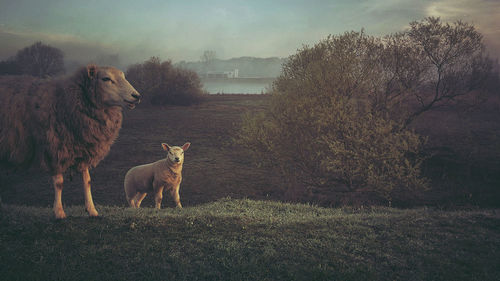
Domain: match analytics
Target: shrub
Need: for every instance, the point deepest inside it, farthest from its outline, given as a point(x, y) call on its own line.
point(342, 110)
point(9, 67)
point(160, 83)
point(38, 60)
point(320, 129)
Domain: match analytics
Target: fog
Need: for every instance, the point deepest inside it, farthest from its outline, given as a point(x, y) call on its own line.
point(127, 32)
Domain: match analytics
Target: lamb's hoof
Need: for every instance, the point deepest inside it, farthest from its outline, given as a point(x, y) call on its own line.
point(60, 215)
point(92, 213)
point(95, 217)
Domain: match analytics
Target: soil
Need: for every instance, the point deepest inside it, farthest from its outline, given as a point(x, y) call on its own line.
point(464, 164)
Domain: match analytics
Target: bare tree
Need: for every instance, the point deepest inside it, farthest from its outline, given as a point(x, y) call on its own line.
point(40, 60)
point(208, 56)
point(435, 63)
point(207, 59)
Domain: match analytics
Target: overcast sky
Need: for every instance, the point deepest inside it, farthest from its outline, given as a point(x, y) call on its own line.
point(182, 30)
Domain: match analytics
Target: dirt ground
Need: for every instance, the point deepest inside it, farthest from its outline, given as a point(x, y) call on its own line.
point(215, 168)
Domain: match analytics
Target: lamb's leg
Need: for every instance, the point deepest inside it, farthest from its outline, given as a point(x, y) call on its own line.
point(158, 197)
point(89, 203)
point(175, 195)
point(58, 180)
point(131, 201)
point(138, 199)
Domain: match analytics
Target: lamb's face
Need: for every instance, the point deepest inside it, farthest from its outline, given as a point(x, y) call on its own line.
point(114, 89)
point(175, 153)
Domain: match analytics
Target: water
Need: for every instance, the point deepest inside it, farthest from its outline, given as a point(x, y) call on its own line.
point(237, 85)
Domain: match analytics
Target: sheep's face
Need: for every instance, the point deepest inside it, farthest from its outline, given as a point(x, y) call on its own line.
point(112, 89)
point(175, 154)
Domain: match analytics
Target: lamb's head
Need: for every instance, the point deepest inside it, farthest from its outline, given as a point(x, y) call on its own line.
point(175, 153)
point(111, 87)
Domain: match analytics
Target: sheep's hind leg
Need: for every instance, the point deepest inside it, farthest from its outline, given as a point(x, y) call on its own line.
point(89, 203)
point(58, 180)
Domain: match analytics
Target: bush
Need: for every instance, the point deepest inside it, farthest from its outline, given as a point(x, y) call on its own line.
point(160, 83)
point(321, 129)
point(342, 110)
point(38, 60)
point(9, 67)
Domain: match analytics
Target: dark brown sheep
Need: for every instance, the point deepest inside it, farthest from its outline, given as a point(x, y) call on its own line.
point(61, 124)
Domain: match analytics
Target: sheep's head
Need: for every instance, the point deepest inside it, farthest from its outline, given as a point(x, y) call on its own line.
point(175, 153)
point(111, 87)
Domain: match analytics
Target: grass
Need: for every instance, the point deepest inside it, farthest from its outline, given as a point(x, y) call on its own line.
point(242, 239)
point(217, 238)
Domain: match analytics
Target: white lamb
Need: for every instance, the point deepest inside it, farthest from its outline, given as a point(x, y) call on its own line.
point(154, 177)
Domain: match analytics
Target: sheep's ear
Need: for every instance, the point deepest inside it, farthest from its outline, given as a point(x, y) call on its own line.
point(186, 146)
point(165, 146)
point(92, 70)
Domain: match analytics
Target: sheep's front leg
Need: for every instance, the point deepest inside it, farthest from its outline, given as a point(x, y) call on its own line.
point(158, 196)
point(58, 180)
point(175, 195)
point(89, 203)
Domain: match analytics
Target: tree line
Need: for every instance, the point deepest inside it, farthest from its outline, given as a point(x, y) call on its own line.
point(341, 112)
point(159, 82)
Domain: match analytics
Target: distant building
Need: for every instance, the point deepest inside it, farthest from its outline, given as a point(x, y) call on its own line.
point(222, 74)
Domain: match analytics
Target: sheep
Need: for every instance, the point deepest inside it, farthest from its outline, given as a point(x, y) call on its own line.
point(63, 124)
point(155, 177)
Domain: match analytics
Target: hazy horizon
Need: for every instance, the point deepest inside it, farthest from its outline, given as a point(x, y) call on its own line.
point(179, 31)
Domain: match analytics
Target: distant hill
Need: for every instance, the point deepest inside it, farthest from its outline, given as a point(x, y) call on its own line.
point(247, 66)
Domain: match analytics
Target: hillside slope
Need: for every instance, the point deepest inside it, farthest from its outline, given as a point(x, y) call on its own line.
point(249, 240)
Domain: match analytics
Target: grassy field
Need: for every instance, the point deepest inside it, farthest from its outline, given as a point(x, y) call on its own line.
point(232, 239)
point(235, 225)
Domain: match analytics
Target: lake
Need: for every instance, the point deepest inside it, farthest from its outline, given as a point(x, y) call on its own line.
point(236, 85)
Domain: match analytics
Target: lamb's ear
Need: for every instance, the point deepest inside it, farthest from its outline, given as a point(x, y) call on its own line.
point(165, 146)
point(186, 146)
point(92, 70)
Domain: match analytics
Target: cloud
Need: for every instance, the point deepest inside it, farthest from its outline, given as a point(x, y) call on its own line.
point(387, 16)
point(482, 13)
point(76, 50)
point(71, 45)
point(179, 30)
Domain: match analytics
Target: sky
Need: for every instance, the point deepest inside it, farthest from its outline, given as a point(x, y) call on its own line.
point(182, 30)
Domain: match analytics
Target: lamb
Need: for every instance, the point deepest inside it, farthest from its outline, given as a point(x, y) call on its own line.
point(63, 124)
point(155, 177)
